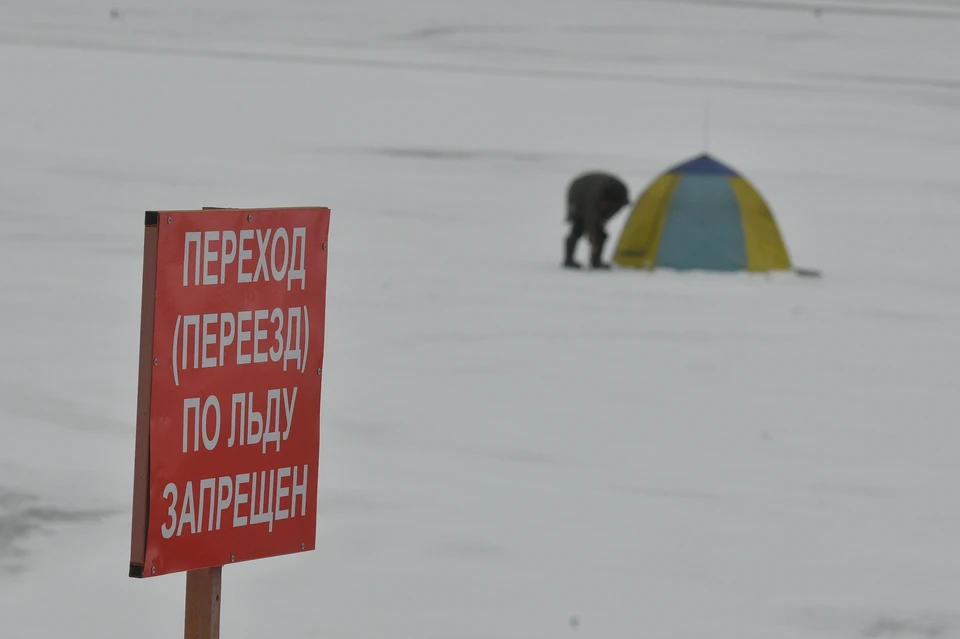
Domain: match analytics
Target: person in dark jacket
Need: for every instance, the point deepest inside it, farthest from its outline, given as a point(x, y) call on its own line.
point(592, 199)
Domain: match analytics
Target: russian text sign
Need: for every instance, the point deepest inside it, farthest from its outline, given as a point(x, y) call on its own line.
point(232, 343)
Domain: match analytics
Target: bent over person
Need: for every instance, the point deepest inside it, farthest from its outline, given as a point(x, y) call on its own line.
point(592, 199)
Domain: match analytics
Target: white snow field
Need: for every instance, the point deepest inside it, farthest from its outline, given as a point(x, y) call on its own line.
point(506, 445)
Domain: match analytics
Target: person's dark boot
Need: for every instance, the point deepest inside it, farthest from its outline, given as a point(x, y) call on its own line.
point(596, 261)
point(569, 246)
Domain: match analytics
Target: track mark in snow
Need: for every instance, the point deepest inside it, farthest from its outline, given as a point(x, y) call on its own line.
point(663, 79)
point(426, 33)
point(492, 157)
point(892, 81)
point(889, 627)
point(875, 624)
point(908, 10)
point(457, 154)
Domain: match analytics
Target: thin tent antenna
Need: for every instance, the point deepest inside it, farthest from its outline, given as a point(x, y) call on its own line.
point(706, 125)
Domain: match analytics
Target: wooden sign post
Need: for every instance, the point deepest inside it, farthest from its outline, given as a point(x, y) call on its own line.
point(228, 409)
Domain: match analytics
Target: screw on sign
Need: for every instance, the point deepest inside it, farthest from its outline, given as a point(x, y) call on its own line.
point(228, 410)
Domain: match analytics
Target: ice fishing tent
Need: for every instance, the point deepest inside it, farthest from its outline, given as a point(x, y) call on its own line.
point(702, 215)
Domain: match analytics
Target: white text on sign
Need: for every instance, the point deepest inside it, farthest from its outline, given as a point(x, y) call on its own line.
point(272, 496)
point(215, 257)
point(204, 420)
point(244, 338)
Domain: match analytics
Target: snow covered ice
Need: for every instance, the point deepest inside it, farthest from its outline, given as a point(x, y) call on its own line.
point(505, 445)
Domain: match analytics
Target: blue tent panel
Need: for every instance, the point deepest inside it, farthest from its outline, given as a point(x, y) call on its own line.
point(703, 165)
point(703, 228)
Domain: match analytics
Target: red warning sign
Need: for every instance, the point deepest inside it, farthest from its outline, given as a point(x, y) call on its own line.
point(232, 341)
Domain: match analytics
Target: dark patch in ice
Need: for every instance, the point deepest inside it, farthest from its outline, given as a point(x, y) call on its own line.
point(12, 569)
point(12, 529)
point(22, 514)
point(47, 515)
point(890, 627)
point(843, 622)
point(11, 558)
